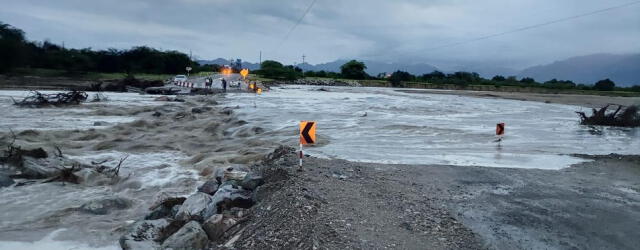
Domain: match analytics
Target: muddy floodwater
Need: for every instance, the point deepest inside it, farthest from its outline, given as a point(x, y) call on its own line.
point(382, 125)
point(88, 115)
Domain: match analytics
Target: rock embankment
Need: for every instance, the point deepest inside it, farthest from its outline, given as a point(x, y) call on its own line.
point(201, 220)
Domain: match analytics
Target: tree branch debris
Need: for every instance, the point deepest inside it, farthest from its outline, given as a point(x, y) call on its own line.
point(628, 118)
point(37, 99)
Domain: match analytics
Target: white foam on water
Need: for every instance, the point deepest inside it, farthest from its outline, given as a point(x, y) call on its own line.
point(156, 169)
point(408, 128)
point(49, 243)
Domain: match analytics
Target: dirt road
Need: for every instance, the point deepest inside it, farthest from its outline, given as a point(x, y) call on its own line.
point(338, 204)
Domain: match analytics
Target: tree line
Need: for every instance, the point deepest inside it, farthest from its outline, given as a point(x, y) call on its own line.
point(355, 70)
point(464, 79)
point(17, 52)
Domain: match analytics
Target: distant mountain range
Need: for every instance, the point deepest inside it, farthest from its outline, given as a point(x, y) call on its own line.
point(373, 67)
point(624, 70)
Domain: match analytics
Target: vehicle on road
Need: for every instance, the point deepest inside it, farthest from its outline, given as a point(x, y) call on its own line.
point(234, 84)
point(180, 78)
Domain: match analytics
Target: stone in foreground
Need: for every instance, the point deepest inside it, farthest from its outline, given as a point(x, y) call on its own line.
point(190, 236)
point(196, 207)
point(143, 234)
point(214, 227)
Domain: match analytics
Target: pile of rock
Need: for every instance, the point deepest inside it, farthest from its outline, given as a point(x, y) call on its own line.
point(200, 220)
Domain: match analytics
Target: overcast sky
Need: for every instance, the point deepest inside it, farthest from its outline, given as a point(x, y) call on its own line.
point(387, 31)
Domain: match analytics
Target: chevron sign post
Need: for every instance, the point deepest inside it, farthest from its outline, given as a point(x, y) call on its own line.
point(307, 136)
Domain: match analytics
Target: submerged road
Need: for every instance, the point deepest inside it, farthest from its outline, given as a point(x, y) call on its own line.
point(382, 125)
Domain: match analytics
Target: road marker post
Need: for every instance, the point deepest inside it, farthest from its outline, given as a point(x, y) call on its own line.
point(307, 136)
point(499, 131)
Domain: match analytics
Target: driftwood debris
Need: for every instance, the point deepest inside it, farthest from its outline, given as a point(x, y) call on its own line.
point(37, 99)
point(621, 117)
point(38, 164)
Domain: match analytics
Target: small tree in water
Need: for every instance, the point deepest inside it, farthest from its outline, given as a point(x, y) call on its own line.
point(604, 85)
point(353, 70)
point(398, 77)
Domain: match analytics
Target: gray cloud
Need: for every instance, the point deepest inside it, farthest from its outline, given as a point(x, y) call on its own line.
point(401, 30)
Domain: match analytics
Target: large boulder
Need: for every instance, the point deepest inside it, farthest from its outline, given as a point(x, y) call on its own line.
point(190, 236)
point(230, 174)
point(228, 197)
point(197, 207)
point(214, 227)
point(5, 181)
point(251, 181)
point(143, 235)
point(210, 187)
point(166, 207)
point(105, 205)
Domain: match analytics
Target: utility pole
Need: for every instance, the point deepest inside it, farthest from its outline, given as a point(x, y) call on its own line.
point(303, 57)
point(261, 57)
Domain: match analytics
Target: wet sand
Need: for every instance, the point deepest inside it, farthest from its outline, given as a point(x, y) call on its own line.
point(588, 101)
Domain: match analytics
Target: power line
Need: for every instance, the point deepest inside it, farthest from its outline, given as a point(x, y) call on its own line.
point(534, 26)
point(296, 24)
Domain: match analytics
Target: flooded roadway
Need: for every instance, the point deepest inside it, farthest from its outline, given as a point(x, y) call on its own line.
point(385, 126)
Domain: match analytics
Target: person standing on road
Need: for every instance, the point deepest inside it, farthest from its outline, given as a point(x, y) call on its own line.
point(224, 85)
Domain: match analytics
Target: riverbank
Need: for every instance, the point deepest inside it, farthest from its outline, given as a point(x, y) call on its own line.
point(588, 101)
